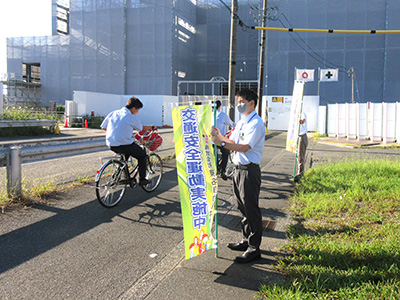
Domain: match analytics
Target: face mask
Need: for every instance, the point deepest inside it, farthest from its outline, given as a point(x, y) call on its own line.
point(242, 108)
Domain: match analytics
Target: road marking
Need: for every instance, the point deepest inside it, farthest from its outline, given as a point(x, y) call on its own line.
point(147, 283)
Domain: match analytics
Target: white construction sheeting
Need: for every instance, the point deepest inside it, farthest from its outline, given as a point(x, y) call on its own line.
point(362, 121)
point(1, 98)
point(375, 121)
point(322, 119)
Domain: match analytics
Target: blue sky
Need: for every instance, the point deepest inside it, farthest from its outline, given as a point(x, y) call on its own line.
point(22, 18)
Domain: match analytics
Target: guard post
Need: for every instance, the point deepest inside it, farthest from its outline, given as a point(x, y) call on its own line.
point(14, 172)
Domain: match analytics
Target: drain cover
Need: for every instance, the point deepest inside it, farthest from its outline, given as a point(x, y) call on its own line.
point(269, 225)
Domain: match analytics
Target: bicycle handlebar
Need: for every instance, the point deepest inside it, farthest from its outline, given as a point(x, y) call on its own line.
point(144, 139)
point(148, 134)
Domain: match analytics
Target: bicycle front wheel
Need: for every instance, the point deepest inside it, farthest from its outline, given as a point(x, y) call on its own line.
point(153, 173)
point(111, 183)
point(230, 167)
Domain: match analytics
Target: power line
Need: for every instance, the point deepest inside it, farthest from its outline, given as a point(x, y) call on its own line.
point(226, 5)
point(372, 31)
point(326, 62)
point(244, 27)
point(344, 69)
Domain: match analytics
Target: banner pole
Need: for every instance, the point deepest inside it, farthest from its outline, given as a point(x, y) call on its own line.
point(216, 196)
point(298, 138)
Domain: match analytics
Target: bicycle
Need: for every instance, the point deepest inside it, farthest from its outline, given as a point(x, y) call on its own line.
point(116, 174)
point(230, 167)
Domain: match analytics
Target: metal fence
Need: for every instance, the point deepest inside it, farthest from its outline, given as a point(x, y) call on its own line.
point(12, 157)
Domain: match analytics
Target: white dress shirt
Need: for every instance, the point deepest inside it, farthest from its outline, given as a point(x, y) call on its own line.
point(120, 125)
point(250, 131)
point(223, 120)
point(303, 127)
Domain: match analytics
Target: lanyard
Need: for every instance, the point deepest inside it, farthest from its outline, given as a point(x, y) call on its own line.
point(241, 127)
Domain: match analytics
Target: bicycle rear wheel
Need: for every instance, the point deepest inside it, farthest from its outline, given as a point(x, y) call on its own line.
point(230, 167)
point(153, 173)
point(111, 183)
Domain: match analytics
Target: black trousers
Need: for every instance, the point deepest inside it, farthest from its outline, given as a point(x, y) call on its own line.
point(246, 188)
point(224, 159)
point(135, 151)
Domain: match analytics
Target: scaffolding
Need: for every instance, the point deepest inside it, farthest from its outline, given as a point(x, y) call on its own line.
point(21, 92)
point(216, 86)
point(207, 92)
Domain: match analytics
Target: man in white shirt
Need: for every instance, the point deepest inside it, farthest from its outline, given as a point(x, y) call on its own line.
point(303, 143)
point(223, 121)
point(247, 140)
point(119, 126)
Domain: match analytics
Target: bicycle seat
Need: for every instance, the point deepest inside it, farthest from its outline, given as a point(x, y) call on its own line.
point(122, 156)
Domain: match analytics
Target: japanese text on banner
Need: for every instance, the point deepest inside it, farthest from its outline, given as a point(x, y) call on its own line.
point(196, 176)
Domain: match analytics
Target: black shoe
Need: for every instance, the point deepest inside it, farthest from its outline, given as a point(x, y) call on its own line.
point(144, 182)
point(249, 255)
point(298, 177)
point(241, 246)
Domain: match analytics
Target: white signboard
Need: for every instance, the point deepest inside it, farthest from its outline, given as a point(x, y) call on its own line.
point(279, 111)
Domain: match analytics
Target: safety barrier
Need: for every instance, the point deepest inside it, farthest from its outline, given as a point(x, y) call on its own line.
point(13, 157)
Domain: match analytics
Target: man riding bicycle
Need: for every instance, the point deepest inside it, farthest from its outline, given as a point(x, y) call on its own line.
point(223, 120)
point(119, 125)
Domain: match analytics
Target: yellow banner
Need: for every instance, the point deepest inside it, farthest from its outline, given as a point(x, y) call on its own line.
point(295, 111)
point(195, 162)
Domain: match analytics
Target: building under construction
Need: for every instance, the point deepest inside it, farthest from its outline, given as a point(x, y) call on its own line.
point(147, 47)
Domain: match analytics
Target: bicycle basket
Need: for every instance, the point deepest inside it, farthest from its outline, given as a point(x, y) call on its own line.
point(150, 139)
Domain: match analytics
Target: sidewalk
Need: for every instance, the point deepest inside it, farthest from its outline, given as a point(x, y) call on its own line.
point(355, 143)
point(209, 277)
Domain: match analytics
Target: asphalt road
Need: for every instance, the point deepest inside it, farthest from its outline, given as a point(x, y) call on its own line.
point(76, 249)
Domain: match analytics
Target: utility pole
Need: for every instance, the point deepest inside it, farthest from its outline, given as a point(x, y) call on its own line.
point(352, 85)
point(232, 60)
point(350, 73)
point(262, 58)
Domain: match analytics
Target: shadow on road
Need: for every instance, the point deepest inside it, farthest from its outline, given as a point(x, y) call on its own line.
point(27, 242)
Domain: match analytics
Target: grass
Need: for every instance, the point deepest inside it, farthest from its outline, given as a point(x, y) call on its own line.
point(83, 180)
point(345, 243)
point(40, 192)
point(27, 113)
point(317, 136)
point(36, 193)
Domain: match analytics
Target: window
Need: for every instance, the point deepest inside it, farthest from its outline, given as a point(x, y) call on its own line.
point(31, 72)
point(62, 18)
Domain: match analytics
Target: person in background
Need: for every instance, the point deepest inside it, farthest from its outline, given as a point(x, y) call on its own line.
point(247, 140)
point(119, 126)
point(223, 121)
point(303, 143)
